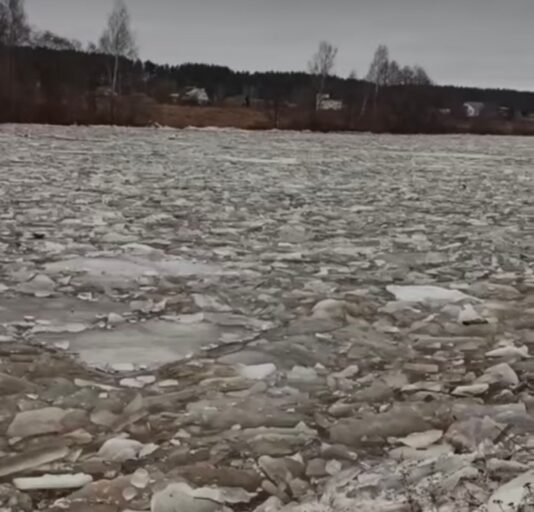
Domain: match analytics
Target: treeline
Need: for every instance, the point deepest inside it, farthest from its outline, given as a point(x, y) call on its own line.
point(49, 79)
point(40, 84)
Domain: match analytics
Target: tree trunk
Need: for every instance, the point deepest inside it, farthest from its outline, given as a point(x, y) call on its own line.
point(114, 87)
point(115, 74)
point(323, 81)
point(377, 90)
point(12, 88)
point(363, 111)
point(322, 84)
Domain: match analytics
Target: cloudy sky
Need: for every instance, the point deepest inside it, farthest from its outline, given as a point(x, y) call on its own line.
point(467, 42)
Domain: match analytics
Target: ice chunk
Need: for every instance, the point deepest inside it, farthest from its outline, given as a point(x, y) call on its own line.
point(426, 294)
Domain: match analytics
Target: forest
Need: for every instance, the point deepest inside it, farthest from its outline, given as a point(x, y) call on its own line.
point(49, 79)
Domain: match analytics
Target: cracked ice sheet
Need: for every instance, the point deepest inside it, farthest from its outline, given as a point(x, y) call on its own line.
point(161, 217)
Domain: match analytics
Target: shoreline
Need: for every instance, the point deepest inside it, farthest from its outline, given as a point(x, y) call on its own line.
point(181, 117)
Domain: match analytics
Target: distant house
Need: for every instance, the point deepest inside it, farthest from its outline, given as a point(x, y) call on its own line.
point(191, 96)
point(505, 113)
point(474, 109)
point(196, 95)
point(325, 102)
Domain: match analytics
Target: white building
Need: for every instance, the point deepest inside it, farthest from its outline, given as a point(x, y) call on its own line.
point(473, 108)
point(196, 95)
point(192, 96)
point(324, 102)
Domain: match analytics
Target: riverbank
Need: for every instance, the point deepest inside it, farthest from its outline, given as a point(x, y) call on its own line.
point(138, 111)
point(297, 119)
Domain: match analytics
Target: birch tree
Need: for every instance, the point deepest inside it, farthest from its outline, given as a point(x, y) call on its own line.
point(4, 23)
point(14, 28)
point(118, 39)
point(384, 72)
point(323, 62)
point(379, 68)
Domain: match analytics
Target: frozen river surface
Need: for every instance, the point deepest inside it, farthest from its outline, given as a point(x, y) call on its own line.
point(356, 273)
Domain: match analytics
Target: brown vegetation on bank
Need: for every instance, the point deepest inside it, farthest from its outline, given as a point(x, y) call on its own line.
point(295, 119)
point(138, 110)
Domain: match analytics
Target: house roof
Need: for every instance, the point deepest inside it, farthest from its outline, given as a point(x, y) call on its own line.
point(475, 104)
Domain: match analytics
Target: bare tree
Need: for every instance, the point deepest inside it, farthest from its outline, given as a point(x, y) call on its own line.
point(118, 39)
point(415, 75)
point(384, 72)
point(406, 76)
point(393, 73)
point(4, 22)
point(323, 62)
point(14, 31)
point(421, 76)
point(379, 68)
point(14, 28)
point(47, 39)
point(378, 73)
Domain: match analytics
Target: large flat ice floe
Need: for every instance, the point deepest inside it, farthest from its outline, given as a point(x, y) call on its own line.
point(426, 294)
point(130, 267)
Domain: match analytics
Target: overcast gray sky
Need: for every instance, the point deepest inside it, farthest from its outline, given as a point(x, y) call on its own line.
point(466, 42)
